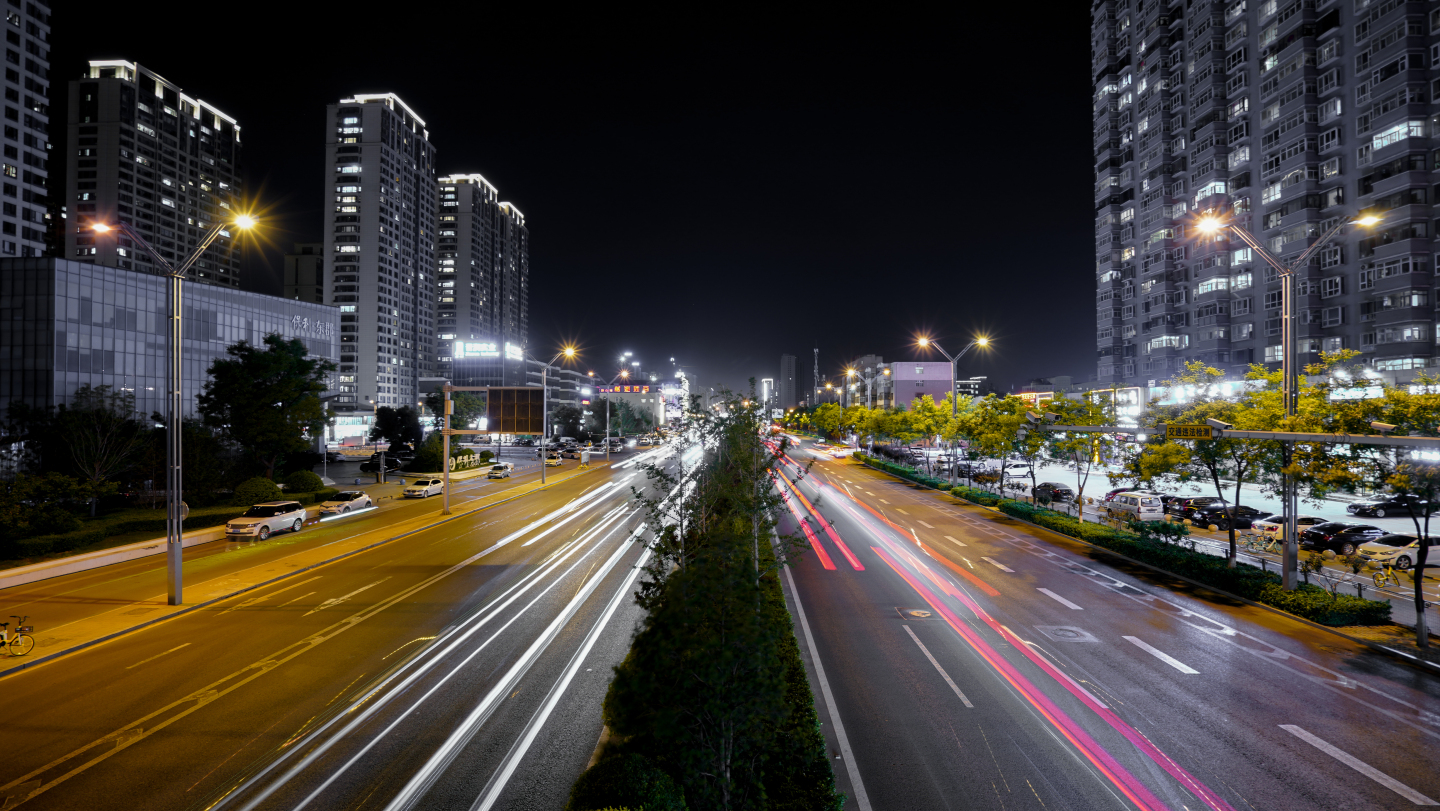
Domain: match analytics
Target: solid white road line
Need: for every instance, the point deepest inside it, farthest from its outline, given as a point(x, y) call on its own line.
point(1059, 599)
point(923, 524)
point(943, 674)
point(537, 722)
point(954, 541)
point(1002, 567)
point(1161, 655)
point(846, 754)
point(1360, 766)
point(156, 656)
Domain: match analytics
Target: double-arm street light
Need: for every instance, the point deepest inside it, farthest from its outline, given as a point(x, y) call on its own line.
point(1289, 365)
point(174, 402)
point(624, 375)
point(981, 341)
point(567, 352)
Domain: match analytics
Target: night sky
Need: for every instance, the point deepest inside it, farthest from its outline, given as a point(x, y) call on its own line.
point(716, 189)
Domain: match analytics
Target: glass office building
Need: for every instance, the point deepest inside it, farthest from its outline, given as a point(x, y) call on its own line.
point(67, 324)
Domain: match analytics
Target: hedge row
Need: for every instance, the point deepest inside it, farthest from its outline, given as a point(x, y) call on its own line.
point(49, 544)
point(1311, 602)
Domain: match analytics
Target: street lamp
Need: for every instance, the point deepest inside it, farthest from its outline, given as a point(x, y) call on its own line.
point(174, 405)
point(980, 341)
point(1289, 367)
point(568, 352)
point(625, 375)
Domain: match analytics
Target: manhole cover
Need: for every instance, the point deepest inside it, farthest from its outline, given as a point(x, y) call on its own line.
point(1065, 633)
point(916, 613)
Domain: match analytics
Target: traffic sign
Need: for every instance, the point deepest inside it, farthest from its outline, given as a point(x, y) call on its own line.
point(1189, 432)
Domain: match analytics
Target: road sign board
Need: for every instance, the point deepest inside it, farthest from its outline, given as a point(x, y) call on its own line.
point(1189, 432)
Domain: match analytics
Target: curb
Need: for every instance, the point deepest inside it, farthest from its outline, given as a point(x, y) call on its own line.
point(1424, 666)
point(98, 640)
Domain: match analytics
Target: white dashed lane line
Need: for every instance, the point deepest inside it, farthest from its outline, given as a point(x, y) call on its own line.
point(1059, 599)
point(1002, 567)
point(883, 501)
point(925, 525)
point(1360, 766)
point(954, 541)
point(897, 509)
point(1161, 655)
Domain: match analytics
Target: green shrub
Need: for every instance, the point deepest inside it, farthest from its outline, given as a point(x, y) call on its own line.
point(303, 481)
point(256, 490)
point(627, 781)
point(486, 456)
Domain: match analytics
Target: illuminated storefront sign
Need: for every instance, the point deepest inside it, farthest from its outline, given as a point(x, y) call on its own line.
point(513, 352)
point(471, 349)
point(624, 390)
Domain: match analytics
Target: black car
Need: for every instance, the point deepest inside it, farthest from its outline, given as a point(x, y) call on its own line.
point(1220, 516)
point(1189, 507)
point(1381, 506)
point(1053, 491)
point(1342, 537)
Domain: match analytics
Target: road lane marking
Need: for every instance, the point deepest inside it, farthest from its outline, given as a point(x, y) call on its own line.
point(900, 510)
point(1061, 600)
point(923, 524)
point(846, 754)
point(997, 564)
point(295, 600)
point(339, 600)
point(868, 493)
point(882, 501)
point(157, 656)
point(943, 674)
point(1360, 766)
point(954, 541)
point(254, 600)
point(1161, 655)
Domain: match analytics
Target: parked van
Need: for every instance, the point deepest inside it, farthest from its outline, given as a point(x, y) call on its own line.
point(1136, 506)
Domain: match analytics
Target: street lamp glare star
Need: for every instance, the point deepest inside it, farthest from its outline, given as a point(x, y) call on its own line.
point(245, 221)
point(1367, 220)
point(569, 351)
point(923, 342)
point(982, 341)
point(625, 373)
point(101, 227)
point(1209, 225)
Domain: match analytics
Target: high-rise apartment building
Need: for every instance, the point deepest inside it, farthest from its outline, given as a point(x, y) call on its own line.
point(380, 251)
point(144, 153)
point(483, 286)
point(1289, 116)
point(305, 273)
point(24, 211)
point(787, 382)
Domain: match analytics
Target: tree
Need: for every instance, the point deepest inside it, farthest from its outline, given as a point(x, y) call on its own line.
point(1081, 450)
point(566, 419)
point(827, 418)
point(102, 436)
point(267, 400)
point(465, 408)
point(1420, 480)
point(398, 426)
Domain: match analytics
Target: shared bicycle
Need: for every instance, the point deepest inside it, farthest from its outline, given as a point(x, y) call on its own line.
point(1386, 574)
point(20, 642)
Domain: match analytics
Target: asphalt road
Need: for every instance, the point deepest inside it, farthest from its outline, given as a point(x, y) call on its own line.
point(462, 666)
point(1037, 674)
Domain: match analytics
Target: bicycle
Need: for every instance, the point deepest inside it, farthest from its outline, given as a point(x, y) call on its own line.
point(1386, 574)
point(21, 642)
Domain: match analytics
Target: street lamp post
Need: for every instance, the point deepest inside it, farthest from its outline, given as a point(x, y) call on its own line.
point(568, 352)
point(954, 383)
point(174, 401)
point(1289, 365)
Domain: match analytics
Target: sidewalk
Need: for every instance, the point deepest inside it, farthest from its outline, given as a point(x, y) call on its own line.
point(53, 643)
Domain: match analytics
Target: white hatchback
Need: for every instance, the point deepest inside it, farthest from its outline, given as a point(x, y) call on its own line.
point(424, 488)
point(1274, 526)
point(345, 502)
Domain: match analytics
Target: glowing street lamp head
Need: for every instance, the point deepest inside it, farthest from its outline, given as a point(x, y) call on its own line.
point(625, 373)
point(1367, 220)
point(101, 227)
point(245, 221)
point(569, 351)
point(923, 341)
point(982, 341)
point(1209, 225)
point(849, 372)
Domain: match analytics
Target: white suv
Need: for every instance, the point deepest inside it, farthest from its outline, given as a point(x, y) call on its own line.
point(267, 517)
point(424, 488)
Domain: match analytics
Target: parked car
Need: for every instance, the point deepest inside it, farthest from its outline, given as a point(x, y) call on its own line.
point(1221, 516)
point(1342, 537)
point(1188, 507)
point(1275, 524)
point(1395, 504)
point(336, 456)
point(572, 453)
point(373, 466)
point(553, 461)
point(425, 488)
point(345, 501)
point(525, 442)
point(498, 472)
point(1053, 491)
point(1136, 505)
point(1015, 470)
point(265, 518)
point(1400, 551)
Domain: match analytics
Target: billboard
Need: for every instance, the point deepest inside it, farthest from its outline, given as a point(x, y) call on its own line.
point(516, 410)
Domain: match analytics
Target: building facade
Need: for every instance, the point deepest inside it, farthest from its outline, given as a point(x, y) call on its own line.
point(1287, 117)
point(788, 397)
point(305, 273)
point(915, 379)
point(483, 251)
point(66, 324)
point(25, 205)
point(380, 252)
point(876, 386)
point(146, 154)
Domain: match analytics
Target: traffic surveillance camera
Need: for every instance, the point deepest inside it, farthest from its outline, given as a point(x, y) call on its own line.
point(1382, 427)
point(1032, 417)
point(1218, 425)
point(1052, 417)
